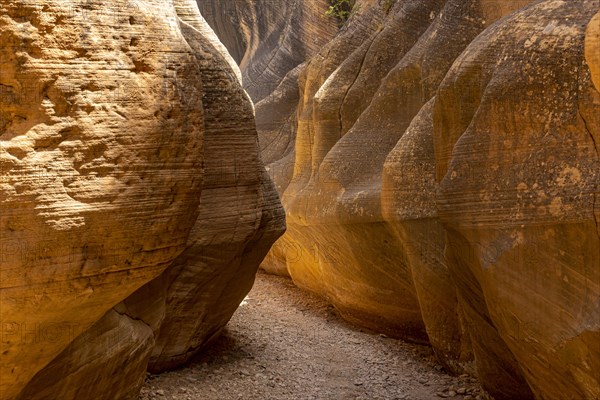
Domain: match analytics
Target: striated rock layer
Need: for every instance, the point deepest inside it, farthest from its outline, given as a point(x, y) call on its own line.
point(440, 180)
point(519, 174)
point(271, 40)
point(359, 96)
point(240, 215)
point(110, 117)
point(101, 158)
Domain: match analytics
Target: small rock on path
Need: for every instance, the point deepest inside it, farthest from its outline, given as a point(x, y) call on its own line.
point(286, 344)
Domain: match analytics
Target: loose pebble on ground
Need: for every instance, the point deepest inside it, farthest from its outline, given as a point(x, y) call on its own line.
point(286, 344)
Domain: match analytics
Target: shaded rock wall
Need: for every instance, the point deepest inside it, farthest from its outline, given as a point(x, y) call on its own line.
point(239, 213)
point(440, 179)
point(271, 40)
point(111, 118)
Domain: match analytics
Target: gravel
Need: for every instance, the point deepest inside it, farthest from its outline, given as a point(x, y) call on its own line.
point(284, 343)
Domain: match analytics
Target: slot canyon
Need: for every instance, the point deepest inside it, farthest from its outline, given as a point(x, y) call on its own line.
point(302, 199)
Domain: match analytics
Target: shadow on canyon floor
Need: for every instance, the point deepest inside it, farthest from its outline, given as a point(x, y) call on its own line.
point(284, 343)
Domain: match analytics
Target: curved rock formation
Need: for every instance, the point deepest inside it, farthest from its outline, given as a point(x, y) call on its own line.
point(373, 150)
point(408, 203)
point(361, 93)
point(517, 121)
point(96, 191)
point(112, 116)
point(439, 162)
point(239, 215)
point(271, 40)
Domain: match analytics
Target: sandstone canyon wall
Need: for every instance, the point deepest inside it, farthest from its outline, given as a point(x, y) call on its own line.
point(271, 40)
point(135, 207)
point(440, 176)
point(438, 162)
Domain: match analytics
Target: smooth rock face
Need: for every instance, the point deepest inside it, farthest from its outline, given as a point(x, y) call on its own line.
point(408, 203)
point(122, 340)
point(112, 116)
point(347, 253)
point(520, 200)
point(86, 371)
point(408, 188)
point(239, 213)
point(269, 38)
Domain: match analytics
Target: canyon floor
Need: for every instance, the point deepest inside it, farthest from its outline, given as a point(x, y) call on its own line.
point(284, 343)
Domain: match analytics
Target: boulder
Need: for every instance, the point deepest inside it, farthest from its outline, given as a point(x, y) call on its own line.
point(113, 117)
point(101, 152)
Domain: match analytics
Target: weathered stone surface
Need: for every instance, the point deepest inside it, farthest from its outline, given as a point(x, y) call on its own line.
point(372, 152)
point(430, 194)
point(322, 224)
point(108, 361)
point(592, 48)
point(122, 340)
point(359, 102)
point(408, 176)
point(516, 135)
point(112, 116)
point(269, 38)
point(408, 204)
point(239, 213)
point(101, 157)
point(276, 125)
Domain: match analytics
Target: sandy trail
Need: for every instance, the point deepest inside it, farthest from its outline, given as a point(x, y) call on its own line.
point(284, 343)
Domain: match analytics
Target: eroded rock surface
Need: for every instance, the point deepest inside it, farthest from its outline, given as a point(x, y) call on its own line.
point(520, 199)
point(408, 203)
point(111, 116)
point(240, 215)
point(592, 48)
point(445, 182)
point(438, 161)
point(269, 38)
point(271, 41)
point(358, 97)
point(101, 167)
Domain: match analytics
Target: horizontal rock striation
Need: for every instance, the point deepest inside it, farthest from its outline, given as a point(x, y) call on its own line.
point(519, 174)
point(440, 179)
point(135, 207)
point(272, 40)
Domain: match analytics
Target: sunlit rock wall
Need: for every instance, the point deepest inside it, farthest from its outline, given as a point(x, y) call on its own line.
point(440, 179)
point(127, 143)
